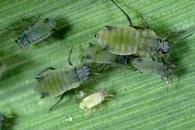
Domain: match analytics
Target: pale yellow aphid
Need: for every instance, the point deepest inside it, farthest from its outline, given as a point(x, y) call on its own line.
point(93, 100)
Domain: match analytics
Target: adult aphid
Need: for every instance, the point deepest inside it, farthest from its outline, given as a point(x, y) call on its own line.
point(146, 65)
point(39, 31)
point(55, 82)
point(94, 99)
point(95, 54)
point(132, 40)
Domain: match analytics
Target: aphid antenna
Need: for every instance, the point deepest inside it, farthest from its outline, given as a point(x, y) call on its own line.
point(59, 100)
point(128, 18)
point(145, 22)
point(69, 57)
point(183, 38)
point(47, 69)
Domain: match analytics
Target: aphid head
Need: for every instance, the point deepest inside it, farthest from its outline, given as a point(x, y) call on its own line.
point(83, 72)
point(166, 73)
point(22, 41)
point(19, 42)
point(164, 46)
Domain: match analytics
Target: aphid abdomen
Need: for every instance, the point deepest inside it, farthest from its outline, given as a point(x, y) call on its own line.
point(119, 39)
point(57, 82)
point(145, 65)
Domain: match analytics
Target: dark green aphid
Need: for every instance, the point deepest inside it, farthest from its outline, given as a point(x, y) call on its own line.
point(39, 31)
point(95, 54)
point(131, 40)
point(146, 65)
point(1, 120)
point(55, 82)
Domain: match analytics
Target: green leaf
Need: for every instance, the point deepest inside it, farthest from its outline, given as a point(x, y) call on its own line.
point(142, 101)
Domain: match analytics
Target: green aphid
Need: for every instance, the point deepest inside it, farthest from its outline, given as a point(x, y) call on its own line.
point(1, 120)
point(146, 65)
point(131, 40)
point(55, 82)
point(95, 54)
point(39, 31)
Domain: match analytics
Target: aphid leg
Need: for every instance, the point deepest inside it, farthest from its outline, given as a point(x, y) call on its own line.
point(48, 68)
point(172, 34)
point(69, 57)
point(60, 99)
point(91, 44)
point(145, 22)
point(128, 18)
point(184, 37)
point(36, 19)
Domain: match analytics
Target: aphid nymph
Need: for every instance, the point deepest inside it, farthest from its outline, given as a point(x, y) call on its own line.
point(146, 65)
point(39, 31)
point(94, 99)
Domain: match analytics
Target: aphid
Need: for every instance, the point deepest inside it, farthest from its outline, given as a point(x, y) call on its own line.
point(1, 120)
point(55, 82)
point(94, 99)
point(146, 65)
point(131, 40)
point(94, 53)
point(39, 31)
point(2, 69)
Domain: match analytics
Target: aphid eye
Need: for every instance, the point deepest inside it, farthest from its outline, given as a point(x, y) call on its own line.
point(88, 57)
point(95, 35)
point(45, 20)
point(108, 27)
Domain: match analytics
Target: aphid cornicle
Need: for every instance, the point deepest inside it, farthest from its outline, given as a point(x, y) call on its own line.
point(94, 53)
point(146, 65)
point(39, 31)
point(55, 82)
point(94, 99)
point(131, 40)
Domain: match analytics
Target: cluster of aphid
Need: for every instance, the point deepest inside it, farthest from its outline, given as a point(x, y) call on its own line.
point(119, 45)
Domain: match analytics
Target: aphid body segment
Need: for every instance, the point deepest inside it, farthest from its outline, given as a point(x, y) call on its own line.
point(54, 82)
point(93, 100)
point(146, 65)
point(95, 54)
point(131, 40)
point(39, 31)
